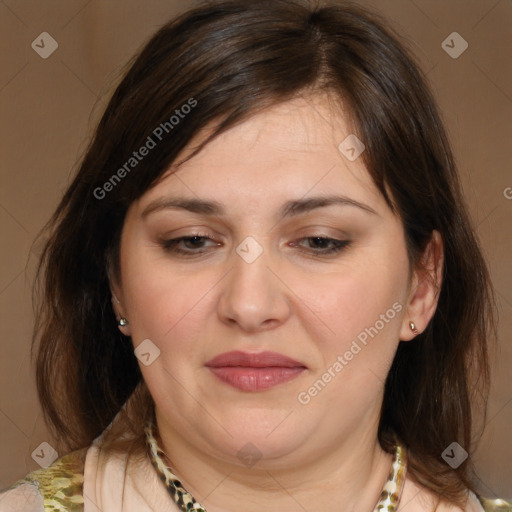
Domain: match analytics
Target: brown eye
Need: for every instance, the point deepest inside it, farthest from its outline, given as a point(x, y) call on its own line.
point(188, 245)
point(323, 245)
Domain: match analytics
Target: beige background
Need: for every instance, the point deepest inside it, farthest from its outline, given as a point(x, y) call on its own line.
point(46, 107)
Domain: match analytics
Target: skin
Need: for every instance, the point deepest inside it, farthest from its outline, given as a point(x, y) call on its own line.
point(290, 300)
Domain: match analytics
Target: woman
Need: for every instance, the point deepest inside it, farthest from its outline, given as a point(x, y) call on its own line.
point(262, 289)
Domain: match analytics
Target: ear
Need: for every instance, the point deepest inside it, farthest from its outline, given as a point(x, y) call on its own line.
point(117, 304)
point(425, 288)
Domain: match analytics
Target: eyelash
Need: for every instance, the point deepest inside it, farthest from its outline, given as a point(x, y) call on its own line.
point(172, 245)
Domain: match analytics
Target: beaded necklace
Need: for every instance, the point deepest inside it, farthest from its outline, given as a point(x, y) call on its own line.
point(388, 501)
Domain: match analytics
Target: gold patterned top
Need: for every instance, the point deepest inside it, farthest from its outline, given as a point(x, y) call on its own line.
point(59, 486)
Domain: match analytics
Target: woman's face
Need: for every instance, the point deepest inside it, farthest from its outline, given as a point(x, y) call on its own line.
point(297, 254)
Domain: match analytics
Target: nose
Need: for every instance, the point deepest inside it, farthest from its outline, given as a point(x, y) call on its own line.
point(253, 298)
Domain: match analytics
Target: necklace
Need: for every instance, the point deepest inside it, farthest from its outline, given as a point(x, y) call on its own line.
point(388, 501)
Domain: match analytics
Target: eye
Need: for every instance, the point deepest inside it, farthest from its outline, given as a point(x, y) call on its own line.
point(199, 243)
point(192, 244)
point(323, 245)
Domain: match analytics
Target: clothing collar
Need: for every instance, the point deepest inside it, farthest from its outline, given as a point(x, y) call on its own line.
point(388, 501)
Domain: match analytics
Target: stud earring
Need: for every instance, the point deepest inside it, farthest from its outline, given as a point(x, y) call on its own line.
point(412, 325)
point(122, 322)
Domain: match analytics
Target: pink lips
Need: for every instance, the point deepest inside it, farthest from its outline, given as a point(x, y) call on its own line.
point(254, 372)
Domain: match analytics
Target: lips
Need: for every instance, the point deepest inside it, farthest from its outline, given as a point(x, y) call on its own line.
point(259, 360)
point(254, 372)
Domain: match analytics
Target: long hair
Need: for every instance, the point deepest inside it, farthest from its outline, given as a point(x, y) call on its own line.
point(228, 61)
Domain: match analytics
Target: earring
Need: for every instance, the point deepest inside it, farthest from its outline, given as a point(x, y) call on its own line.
point(122, 322)
point(412, 325)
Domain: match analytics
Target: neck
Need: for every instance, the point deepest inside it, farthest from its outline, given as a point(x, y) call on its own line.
point(348, 478)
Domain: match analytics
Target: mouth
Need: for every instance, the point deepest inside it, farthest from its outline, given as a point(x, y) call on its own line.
point(254, 372)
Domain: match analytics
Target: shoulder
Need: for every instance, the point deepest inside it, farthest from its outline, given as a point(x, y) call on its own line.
point(416, 498)
point(496, 505)
point(57, 488)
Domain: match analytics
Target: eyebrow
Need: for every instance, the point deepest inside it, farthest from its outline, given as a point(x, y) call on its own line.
point(289, 209)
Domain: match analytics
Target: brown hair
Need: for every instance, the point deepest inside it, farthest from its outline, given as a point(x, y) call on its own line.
point(234, 59)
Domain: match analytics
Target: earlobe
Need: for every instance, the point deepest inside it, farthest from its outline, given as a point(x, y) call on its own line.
point(425, 291)
point(410, 332)
point(124, 326)
point(122, 321)
point(413, 327)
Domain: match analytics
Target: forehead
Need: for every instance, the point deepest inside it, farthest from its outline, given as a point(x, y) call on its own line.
point(285, 152)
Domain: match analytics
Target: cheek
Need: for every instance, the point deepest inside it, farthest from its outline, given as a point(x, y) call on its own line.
point(357, 350)
point(361, 308)
point(171, 310)
point(161, 302)
point(351, 300)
